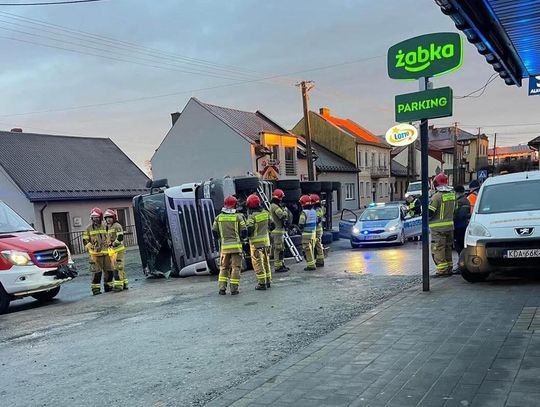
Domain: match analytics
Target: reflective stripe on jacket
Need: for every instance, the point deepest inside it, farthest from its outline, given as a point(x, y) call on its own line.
point(442, 206)
point(95, 239)
point(278, 216)
point(230, 227)
point(321, 212)
point(258, 224)
point(308, 219)
point(115, 237)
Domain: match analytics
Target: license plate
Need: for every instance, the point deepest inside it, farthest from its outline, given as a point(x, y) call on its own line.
point(521, 254)
point(371, 237)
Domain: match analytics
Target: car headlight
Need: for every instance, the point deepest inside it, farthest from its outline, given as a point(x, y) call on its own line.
point(17, 258)
point(477, 229)
point(392, 228)
point(355, 230)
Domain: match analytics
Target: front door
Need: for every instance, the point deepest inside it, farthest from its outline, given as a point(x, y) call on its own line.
point(61, 227)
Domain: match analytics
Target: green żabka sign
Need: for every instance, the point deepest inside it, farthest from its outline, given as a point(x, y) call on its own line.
point(425, 56)
point(427, 104)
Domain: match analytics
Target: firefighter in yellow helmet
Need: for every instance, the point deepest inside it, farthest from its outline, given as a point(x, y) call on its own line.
point(442, 205)
point(116, 249)
point(308, 226)
point(318, 250)
point(95, 241)
point(280, 221)
point(230, 228)
point(258, 225)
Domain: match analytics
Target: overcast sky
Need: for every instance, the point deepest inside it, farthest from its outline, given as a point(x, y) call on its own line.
point(224, 42)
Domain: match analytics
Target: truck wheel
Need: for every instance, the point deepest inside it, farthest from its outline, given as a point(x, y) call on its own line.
point(45, 296)
point(213, 266)
point(473, 277)
point(288, 184)
point(292, 195)
point(326, 186)
point(335, 235)
point(249, 184)
point(4, 300)
point(327, 238)
point(310, 187)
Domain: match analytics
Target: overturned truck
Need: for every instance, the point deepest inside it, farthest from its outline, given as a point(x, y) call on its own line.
point(174, 224)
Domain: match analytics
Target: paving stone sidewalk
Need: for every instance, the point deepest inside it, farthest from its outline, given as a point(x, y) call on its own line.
point(459, 345)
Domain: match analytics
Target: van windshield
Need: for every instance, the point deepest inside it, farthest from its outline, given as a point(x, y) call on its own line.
point(510, 197)
point(10, 221)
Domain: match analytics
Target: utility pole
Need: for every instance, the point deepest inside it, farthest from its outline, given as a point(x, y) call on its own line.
point(494, 150)
point(455, 163)
point(477, 166)
point(306, 86)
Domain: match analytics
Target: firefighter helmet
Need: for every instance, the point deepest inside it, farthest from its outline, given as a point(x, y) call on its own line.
point(315, 199)
point(305, 200)
point(278, 193)
point(230, 202)
point(111, 213)
point(96, 213)
point(440, 180)
point(253, 201)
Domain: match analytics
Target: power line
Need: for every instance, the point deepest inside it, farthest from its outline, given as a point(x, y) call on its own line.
point(225, 85)
point(482, 89)
point(50, 3)
point(494, 125)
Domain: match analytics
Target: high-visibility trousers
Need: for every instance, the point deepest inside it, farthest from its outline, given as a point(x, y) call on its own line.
point(441, 250)
point(260, 259)
point(308, 244)
point(319, 249)
point(278, 247)
point(229, 271)
point(100, 265)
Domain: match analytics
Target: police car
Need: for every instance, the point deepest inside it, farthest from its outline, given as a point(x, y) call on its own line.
point(380, 224)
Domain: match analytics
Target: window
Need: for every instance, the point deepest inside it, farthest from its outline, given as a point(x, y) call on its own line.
point(368, 190)
point(366, 160)
point(380, 156)
point(122, 216)
point(384, 160)
point(349, 192)
point(362, 189)
point(386, 189)
point(359, 159)
point(373, 159)
point(275, 152)
point(380, 190)
point(290, 161)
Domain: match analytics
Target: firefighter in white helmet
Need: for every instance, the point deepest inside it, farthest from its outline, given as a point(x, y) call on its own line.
point(116, 249)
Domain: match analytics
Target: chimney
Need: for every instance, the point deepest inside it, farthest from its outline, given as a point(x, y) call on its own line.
point(175, 116)
point(324, 111)
point(16, 130)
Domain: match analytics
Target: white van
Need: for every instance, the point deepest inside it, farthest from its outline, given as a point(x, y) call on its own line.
point(414, 189)
point(504, 230)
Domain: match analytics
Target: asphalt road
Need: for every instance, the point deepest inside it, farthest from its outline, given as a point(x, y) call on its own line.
point(176, 342)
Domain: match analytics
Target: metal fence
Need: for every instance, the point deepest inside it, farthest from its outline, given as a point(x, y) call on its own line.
point(74, 240)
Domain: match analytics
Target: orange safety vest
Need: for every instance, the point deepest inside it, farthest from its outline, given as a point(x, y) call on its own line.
point(472, 200)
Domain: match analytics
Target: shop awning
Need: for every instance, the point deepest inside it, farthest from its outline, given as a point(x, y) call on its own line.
point(506, 32)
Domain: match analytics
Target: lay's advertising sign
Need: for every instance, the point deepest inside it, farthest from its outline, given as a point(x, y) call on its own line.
point(401, 135)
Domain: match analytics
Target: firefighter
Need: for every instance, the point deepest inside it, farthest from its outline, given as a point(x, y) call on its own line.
point(258, 225)
point(308, 226)
point(230, 228)
point(116, 249)
point(474, 186)
point(280, 221)
point(442, 205)
point(318, 249)
point(95, 240)
point(462, 216)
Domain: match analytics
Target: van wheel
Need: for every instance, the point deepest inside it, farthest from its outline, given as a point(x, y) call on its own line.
point(402, 238)
point(473, 277)
point(4, 300)
point(45, 296)
point(356, 245)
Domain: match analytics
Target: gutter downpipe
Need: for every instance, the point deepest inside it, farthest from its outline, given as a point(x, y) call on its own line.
point(43, 217)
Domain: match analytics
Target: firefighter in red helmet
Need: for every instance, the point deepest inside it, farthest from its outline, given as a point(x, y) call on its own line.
point(280, 221)
point(95, 241)
point(116, 249)
point(318, 250)
point(442, 205)
point(230, 228)
point(308, 226)
point(258, 225)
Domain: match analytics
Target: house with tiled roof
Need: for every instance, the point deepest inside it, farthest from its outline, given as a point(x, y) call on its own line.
point(53, 182)
point(357, 145)
point(210, 141)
